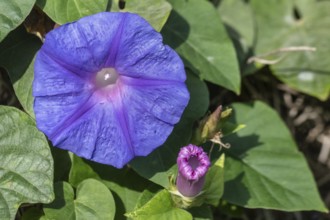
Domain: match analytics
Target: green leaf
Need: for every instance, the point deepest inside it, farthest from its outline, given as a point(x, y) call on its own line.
point(258, 31)
point(128, 187)
point(239, 21)
point(26, 164)
point(195, 30)
point(64, 11)
point(264, 168)
point(17, 54)
point(146, 196)
point(80, 170)
point(201, 213)
point(214, 182)
point(12, 14)
point(159, 165)
point(125, 183)
point(306, 71)
point(155, 12)
point(160, 207)
point(93, 200)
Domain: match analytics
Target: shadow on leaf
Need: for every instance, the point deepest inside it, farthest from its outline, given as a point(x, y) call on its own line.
point(241, 193)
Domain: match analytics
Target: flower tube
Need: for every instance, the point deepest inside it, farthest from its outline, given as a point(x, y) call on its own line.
point(193, 164)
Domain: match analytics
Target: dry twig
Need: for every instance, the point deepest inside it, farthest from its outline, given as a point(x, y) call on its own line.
point(262, 57)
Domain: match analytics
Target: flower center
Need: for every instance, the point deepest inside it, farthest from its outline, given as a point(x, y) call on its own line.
point(105, 77)
point(193, 162)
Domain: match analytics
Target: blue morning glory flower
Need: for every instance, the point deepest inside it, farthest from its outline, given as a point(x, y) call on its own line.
point(107, 89)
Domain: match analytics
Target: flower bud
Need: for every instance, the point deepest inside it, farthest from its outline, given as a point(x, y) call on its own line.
point(193, 163)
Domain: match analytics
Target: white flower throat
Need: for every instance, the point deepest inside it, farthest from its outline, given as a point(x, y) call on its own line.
point(105, 77)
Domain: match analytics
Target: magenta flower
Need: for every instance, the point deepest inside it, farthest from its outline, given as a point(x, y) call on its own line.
point(193, 163)
point(107, 89)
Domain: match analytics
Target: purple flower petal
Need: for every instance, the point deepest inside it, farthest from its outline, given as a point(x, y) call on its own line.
point(54, 79)
point(98, 135)
point(83, 46)
point(150, 112)
point(107, 89)
point(143, 55)
point(157, 97)
point(193, 164)
point(52, 112)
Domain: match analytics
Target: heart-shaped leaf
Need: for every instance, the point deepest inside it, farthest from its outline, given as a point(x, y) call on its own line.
point(26, 164)
point(264, 168)
point(286, 37)
point(64, 11)
point(195, 30)
point(125, 183)
point(237, 16)
point(93, 200)
point(12, 14)
point(155, 12)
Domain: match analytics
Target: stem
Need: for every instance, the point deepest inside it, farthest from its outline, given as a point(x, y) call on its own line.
point(261, 58)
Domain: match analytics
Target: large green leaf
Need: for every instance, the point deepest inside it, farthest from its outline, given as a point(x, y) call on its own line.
point(26, 165)
point(12, 14)
point(155, 12)
point(17, 53)
point(306, 71)
point(264, 168)
point(160, 207)
point(290, 23)
point(195, 30)
point(64, 11)
point(93, 200)
point(239, 21)
point(159, 165)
